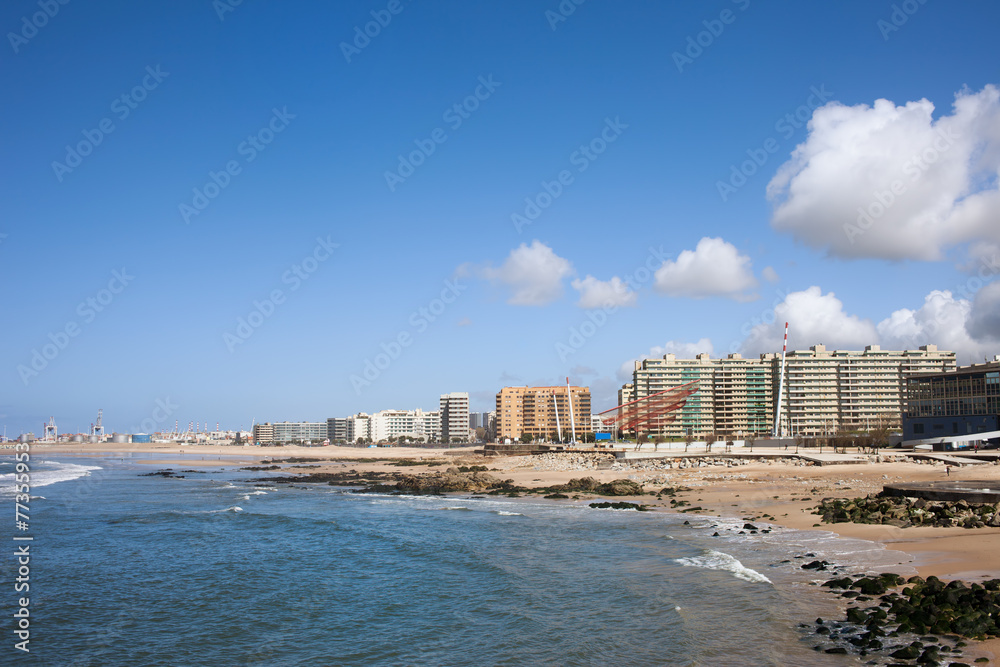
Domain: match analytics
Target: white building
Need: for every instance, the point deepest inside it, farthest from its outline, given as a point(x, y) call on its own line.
point(455, 417)
point(417, 423)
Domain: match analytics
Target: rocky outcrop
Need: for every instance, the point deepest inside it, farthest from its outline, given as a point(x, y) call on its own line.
point(451, 482)
point(936, 613)
point(905, 512)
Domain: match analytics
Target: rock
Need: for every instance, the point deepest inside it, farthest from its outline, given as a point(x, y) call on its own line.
point(749, 526)
point(815, 565)
point(906, 653)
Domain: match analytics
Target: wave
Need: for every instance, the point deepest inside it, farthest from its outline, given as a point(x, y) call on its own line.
point(234, 508)
point(65, 472)
point(503, 513)
point(717, 560)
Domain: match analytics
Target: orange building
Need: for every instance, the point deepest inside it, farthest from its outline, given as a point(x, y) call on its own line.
point(533, 410)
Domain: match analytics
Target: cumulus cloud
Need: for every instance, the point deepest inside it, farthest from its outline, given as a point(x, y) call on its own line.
point(984, 320)
point(891, 182)
point(770, 275)
point(713, 268)
point(679, 348)
point(534, 273)
point(942, 320)
point(815, 318)
point(596, 293)
point(971, 329)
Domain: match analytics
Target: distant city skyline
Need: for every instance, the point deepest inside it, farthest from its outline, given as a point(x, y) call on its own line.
point(233, 212)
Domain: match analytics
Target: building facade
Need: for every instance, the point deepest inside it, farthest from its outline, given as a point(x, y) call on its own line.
point(454, 411)
point(340, 429)
point(825, 390)
point(415, 424)
point(830, 390)
point(965, 401)
point(542, 412)
point(281, 433)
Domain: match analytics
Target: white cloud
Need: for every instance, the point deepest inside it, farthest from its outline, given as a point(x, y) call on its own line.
point(814, 318)
point(713, 268)
point(679, 348)
point(770, 275)
point(464, 322)
point(984, 321)
point(596, 293)
point(970, 329)
point(892, 182)
point(534, 274)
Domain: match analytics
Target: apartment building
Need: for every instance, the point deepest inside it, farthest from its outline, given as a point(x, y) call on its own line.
point(536, 410)
point(387, 424)
point(340, 429)
point(825, 390)
point(280, 433)
point(454, 412)
point(828, 390)
point(263, 434)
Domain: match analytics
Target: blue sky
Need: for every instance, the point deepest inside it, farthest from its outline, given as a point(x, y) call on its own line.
point(203, 83)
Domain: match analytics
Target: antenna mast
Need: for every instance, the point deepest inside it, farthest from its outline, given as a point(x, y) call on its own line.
point(781, 387)
point(572, 422)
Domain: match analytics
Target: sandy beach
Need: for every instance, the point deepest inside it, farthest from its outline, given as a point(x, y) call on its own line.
point(786, 491)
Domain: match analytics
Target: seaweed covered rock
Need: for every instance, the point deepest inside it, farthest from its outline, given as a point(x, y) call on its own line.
point(904, 512)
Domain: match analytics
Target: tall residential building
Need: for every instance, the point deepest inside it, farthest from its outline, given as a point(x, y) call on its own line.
point(419, 424)
point(360, 426)
point(825, 390)
point(533, 410)
point(340, 429)
point(263, 434)
point(454, 410)
point(475, 420)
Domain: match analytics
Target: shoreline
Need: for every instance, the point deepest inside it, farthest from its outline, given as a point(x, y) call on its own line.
point(779, 493)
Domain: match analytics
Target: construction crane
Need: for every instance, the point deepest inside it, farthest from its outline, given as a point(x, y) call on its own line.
point(50, 429)
point(97, 428)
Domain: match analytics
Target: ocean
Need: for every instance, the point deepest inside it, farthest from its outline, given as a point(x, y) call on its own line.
point(213, 569)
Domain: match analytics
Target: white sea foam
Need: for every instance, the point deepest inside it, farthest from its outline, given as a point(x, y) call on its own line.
point(717, 560)
point(503, 513)
point(234, 508)
point(63, 472)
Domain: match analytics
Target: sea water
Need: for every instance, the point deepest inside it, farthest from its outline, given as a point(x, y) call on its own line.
point(216, 569)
